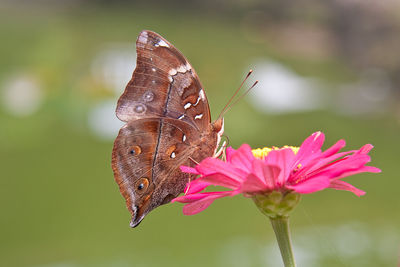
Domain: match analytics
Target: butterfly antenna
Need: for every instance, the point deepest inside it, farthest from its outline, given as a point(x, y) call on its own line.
point(240, 97)
point(233, 96)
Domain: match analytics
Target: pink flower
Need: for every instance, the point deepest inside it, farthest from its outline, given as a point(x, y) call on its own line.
point(288, 169)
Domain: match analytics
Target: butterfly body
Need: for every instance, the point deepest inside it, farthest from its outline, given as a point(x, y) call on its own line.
point(168, 124)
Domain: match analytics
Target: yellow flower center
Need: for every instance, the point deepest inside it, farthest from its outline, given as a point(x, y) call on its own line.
point(261, 153)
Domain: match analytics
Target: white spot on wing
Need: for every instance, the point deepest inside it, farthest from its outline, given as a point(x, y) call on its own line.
point(187, 105)
point(197, 101)
point(181, 69)
point(153, 69)
point(202, 95)
point(143, 38)
point(198, 117)
point(188, 67)
point(181, 117)
point(172, 72)
point(173, 155)
point(162, 43)
point(183, 138)
point(170, 79)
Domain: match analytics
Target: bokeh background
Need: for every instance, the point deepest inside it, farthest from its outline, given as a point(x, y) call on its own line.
point(322, 65)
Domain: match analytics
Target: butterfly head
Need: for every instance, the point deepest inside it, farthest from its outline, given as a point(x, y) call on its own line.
point(218, 127)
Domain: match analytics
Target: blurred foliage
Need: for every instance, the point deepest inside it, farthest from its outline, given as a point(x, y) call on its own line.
point(60, 205)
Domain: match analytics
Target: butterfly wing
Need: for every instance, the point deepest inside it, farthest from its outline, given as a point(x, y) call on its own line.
point(163, 85)
point(168, 125)
point(146, 158)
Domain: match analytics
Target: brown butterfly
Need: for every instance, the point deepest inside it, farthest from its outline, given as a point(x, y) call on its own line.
point(168, 124)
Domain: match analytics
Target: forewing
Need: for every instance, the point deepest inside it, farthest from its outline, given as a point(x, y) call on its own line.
point(163, 85)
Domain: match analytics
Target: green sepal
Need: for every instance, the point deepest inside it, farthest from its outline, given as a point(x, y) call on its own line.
point(276, 204)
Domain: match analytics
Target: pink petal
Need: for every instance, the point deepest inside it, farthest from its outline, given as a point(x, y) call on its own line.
point(350, 163)
point(310, 185)
point(242, 158)
point(188, 169)
point(365, 149)
point(205, 201)
point(195, 187)
point(229, 152)
point(283, 159)
point(188, 198)
point(316, 166)
point(310, 148)
point(253, 184)
point(264, 178)
point(212, 165)
point(359, 170)
point(267, 173)
point(340, 185)
point(220, 180)
point(334, 149)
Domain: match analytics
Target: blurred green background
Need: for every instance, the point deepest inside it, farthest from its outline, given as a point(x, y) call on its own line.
point(331, 66)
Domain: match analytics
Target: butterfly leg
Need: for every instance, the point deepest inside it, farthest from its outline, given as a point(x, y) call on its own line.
point(188, 184)
point(221, 151)
point(194, 161)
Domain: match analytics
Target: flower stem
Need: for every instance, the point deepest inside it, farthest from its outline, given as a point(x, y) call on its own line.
point(282, 233)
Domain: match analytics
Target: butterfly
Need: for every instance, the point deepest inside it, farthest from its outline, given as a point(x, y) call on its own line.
point(168, 124)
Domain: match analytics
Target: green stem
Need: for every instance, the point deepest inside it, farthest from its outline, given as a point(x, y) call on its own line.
point(282, 233)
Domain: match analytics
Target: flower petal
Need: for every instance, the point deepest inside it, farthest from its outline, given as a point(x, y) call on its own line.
point(253, 184)
point(188, 169)
point(316, 166)
point(283, 159)
point(204, 201)
point(310, 185)
point(365, 149)
point(229, 152)
point(348, 164)
point(190, 198)
point(359, 170)
point(334, 149)
point(242, 158)
point(310, 148)
point(212, 165)
point(220, 180)
point(340, 185)
point(195, 186)
point(263, 178)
